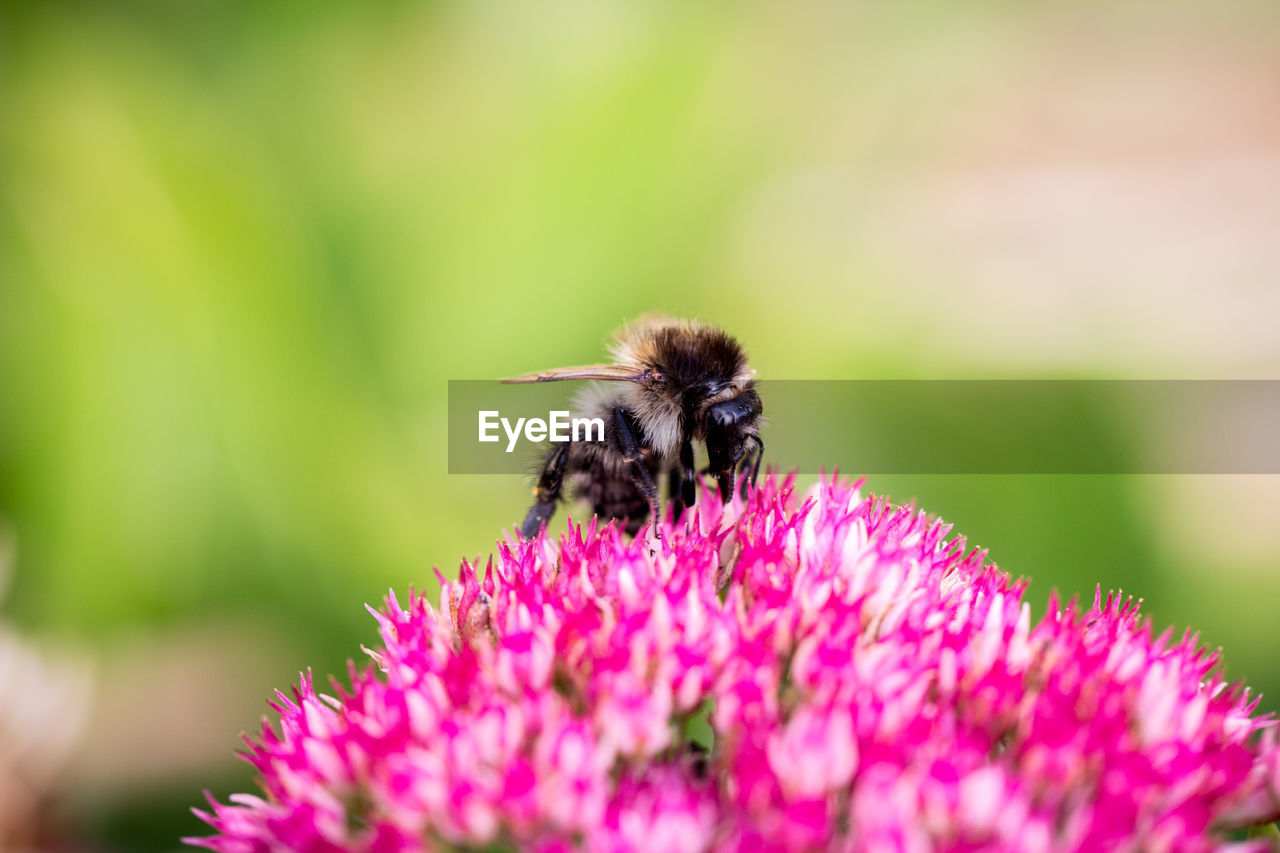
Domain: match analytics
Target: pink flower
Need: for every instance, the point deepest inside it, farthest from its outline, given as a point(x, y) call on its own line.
point(814, 752)
point(831, 673)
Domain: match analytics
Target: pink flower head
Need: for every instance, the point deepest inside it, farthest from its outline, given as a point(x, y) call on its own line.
point(829, 672)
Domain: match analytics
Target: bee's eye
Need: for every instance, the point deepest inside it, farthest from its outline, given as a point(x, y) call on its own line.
point(729, 413)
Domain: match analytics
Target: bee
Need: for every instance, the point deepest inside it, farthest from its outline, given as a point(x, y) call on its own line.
point(672, 383)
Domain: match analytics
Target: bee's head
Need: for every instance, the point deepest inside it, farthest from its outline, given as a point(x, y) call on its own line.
point(729, 425)
point(685, 354)
point(688, 368)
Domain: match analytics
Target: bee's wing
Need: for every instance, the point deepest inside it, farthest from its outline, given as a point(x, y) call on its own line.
point(607, 372)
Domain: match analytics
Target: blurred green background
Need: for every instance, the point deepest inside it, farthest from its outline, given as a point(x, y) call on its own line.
point(243, 248)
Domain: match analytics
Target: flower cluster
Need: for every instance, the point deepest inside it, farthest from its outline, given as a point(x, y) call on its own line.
point(831, 672)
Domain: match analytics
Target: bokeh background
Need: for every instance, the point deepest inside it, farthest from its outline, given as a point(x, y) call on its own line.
point(244, 246)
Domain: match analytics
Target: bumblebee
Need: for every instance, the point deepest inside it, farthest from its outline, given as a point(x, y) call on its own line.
point(672, 384)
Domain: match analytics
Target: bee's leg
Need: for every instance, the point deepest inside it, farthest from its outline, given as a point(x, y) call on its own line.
point(689, 474)
point(546, 492)
point(758, 451)
point(625, 443)
point(682, 481)
point(673, 488)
